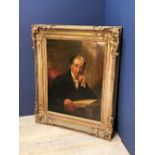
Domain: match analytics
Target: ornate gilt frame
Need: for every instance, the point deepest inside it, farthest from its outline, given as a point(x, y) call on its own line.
point(111, 37)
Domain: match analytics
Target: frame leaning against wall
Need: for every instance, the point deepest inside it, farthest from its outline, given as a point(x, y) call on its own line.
point(109, 37)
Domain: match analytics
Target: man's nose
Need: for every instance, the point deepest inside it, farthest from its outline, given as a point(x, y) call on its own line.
point(78, 69)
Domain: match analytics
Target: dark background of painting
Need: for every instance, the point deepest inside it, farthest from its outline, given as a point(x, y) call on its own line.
point(82, 12)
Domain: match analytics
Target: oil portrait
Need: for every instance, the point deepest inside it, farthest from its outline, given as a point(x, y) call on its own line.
point(76, 70)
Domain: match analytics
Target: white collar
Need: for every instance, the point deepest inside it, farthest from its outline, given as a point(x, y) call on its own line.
point(76, 82)
point(73, 76)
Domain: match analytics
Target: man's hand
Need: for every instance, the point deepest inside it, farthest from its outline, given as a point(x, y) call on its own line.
point(69, 106)
point(82, 80)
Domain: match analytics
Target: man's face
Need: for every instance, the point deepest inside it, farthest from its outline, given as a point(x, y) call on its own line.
point(77, 67)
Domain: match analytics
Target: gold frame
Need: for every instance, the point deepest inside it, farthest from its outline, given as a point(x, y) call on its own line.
point(111, 37)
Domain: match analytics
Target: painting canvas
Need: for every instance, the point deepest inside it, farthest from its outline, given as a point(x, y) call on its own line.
point(76, 70)
point(86, 100)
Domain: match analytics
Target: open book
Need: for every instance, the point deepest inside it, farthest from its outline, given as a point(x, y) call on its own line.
point(84, 103)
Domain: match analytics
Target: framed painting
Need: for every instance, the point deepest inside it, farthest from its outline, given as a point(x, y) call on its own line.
point(76, 72)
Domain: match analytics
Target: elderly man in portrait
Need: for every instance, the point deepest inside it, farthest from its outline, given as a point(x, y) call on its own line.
point(70, 87)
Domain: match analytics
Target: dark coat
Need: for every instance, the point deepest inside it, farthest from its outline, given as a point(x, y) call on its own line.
point(64, 88)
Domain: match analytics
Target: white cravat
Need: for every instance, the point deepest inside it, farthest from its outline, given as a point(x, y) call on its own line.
point(76, 82)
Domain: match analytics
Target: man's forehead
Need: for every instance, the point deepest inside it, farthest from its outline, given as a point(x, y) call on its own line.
point(78, 61)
